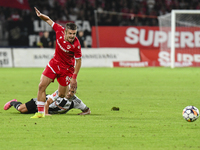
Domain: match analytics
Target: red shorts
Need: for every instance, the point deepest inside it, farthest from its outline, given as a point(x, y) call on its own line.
point(54, 70)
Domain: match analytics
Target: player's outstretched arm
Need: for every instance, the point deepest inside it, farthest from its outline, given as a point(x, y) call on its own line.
point(86, 112)
point(46, 106)
point(43, 17)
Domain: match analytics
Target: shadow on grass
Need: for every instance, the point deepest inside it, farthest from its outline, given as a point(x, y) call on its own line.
point(67, 114)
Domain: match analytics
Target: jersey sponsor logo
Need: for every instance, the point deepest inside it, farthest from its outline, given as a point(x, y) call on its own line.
point(68, 46)
point(54, 94)
point(79, 47)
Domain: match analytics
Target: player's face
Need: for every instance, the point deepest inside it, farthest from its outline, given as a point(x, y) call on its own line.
point(71, 93)
point(70, 35)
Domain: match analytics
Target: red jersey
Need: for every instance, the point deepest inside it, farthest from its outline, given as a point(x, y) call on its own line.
point(65, 52)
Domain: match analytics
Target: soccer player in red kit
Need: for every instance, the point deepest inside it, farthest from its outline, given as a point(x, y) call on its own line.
point(62, 66)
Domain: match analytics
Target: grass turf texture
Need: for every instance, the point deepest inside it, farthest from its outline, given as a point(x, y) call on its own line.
point(151, 101)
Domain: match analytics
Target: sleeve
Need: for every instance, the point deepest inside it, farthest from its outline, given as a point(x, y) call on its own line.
point(56, 27)
point(54, 96)
point(78, 104)
point(78, 53)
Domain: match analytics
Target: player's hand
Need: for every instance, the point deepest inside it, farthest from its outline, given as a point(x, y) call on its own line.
point(86, 112)
point(73, 83)
point(37, 12)
point(43, 17)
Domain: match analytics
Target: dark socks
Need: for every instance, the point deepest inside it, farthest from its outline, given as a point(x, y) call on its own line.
point(15, 104)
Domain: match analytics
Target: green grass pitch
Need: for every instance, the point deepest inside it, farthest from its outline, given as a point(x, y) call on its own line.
point(150, 100)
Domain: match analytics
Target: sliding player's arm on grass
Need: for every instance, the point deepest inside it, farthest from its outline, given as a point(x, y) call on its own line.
point(50, 100)
point(46, 106)
point(43, 17)
point(78, 104)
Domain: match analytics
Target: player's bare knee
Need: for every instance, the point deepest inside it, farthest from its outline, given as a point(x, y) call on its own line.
point(41, 88)
point(20, 109)
point(61, 95)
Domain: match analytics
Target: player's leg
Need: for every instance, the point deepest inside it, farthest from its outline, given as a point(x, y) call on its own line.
point(41, 96)
point(64, 81)
point(48, 76)
point(44, 82)
point(62, 91)
point(30, 106)
point(8, 104)
point(22, 108)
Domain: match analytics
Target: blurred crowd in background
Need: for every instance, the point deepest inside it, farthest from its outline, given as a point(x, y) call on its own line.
point(110, 12)
point(84, 10)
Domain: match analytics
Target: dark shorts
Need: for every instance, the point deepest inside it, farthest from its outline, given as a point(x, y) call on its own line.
point(31, 106)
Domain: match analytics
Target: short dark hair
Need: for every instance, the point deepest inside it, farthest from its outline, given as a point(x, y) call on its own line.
point(71, 26)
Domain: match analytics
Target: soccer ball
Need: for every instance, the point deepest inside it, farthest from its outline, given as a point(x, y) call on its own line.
point(190, 113)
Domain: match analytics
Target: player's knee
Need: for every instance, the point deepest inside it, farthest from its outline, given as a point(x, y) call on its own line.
point(61, 95)
point(41, 87)
point(20, 109)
